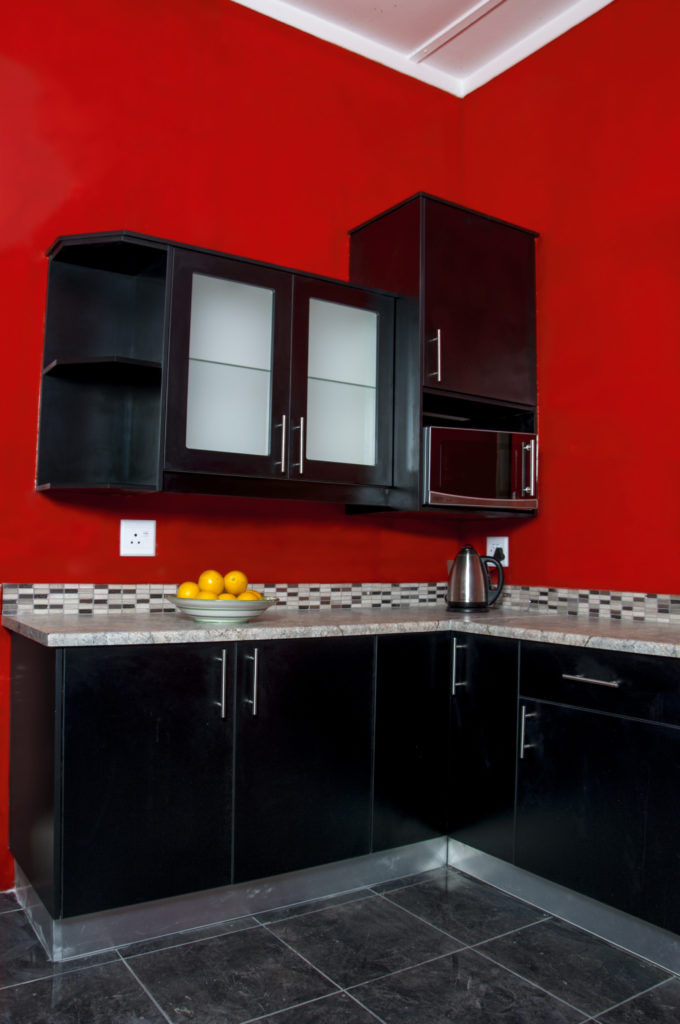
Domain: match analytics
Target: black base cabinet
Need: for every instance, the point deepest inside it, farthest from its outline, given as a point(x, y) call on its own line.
point(483, 747)
point(411, 738)
point(140, 773)
point(304, 728)
point(597, 778)
point(120, 773)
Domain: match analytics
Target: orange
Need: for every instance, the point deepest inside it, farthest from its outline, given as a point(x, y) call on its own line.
point(250, 595)
point(226, 597)
point(206, 595)
point(188, 590)
point(212, 581)
point(235, 582)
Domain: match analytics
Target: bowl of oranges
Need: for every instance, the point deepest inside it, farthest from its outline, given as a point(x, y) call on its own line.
point(221, 599)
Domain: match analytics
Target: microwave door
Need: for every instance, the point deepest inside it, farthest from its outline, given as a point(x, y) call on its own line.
point(477, 468)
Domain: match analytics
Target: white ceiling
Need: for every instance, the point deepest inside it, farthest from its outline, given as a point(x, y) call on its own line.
point(456, 45)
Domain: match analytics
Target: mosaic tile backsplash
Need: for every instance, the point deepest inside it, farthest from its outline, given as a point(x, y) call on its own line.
point(93, 598)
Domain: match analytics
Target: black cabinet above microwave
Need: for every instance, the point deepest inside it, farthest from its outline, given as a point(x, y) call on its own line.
point(472, 278)
point(180, 369)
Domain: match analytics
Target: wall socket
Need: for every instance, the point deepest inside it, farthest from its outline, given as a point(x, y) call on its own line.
point(499, 542)
point(138, 537)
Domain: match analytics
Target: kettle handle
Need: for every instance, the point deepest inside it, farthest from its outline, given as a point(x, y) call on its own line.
point(495, 592)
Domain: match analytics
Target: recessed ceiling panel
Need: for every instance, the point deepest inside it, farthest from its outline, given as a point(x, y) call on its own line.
point(456, 45)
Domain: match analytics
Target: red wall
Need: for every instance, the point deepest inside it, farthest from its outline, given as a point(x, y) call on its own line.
point(582, 143)
point(199, 121)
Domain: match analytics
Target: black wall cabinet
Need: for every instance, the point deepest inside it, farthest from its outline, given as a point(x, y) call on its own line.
point(171, 368)
point(475, 279)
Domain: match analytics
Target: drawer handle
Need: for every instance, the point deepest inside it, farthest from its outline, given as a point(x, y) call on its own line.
point(613, 683)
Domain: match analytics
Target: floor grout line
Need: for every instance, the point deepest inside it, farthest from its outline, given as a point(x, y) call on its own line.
point(148, 993)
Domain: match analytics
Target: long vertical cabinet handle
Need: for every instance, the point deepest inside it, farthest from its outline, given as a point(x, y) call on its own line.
point(529, 455)
point(523, 745)
point(223, 690)
point(437, 374)
point(455, 682)
point(301, 463)
point(284, 442)
point(253, 700)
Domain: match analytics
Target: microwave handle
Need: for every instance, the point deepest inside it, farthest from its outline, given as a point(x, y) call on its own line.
point(529, 455)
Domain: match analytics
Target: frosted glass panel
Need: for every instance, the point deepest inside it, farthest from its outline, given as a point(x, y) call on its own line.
point(231, 322)
point(228, 408)
point(342, 343)
point(340, 423)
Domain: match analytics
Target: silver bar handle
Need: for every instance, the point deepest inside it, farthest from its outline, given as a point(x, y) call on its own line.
point(437, 374)
point(223, 691)
point(253, 700)
point(523, 745)
point(530, 448)
point(457, 646)
point(613, 683)
point(301, 463)
point(284, 442)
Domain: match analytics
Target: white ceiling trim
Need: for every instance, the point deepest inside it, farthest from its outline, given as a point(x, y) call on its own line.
point(579, 12)
point(415, 64)
point(348, 40)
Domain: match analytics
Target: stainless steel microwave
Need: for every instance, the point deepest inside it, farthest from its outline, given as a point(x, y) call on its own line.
point(494, 470)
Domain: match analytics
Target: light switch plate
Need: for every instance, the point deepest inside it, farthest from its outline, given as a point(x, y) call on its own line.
point(138, 537)
point(499, 542)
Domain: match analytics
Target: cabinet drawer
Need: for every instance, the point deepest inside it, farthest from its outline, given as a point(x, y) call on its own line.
point(637, 685)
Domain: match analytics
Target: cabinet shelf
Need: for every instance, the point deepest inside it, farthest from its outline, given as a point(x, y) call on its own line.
point(109, 367)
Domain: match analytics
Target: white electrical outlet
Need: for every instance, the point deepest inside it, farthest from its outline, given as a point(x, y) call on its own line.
point(499, 542)
point(138, 537)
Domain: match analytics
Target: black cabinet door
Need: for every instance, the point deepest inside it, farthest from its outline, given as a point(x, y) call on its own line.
point(303, 754)
point(478, 306)
point(146, 774)
point(341, 383)
point(411, 738)
point(228, 366)
point(483, 744)
point(581, 801)
point(656, 757)
point(595, 808)
point(475, 279)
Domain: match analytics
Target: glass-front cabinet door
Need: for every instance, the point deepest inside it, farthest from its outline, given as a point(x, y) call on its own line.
point(228, 385)
point(277, 375)
point(341, 383)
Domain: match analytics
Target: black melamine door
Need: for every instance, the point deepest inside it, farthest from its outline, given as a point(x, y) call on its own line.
point(303, 754)
point(341, 383)
point(475, 279)
point(146, 790)
point(478, 303)
point(411, 738)
point(484, 684)
point(582, 798)
point(657, 757)
point(228, 366)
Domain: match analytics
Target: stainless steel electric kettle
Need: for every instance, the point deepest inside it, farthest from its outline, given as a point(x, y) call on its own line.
point(469, 583)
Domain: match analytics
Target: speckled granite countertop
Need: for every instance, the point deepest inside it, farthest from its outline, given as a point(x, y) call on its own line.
point(118, 628)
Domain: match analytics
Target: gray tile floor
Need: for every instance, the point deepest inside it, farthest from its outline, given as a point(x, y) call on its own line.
point(427, 949)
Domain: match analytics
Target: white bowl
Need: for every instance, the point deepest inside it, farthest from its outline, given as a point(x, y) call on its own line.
point(219, 612)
